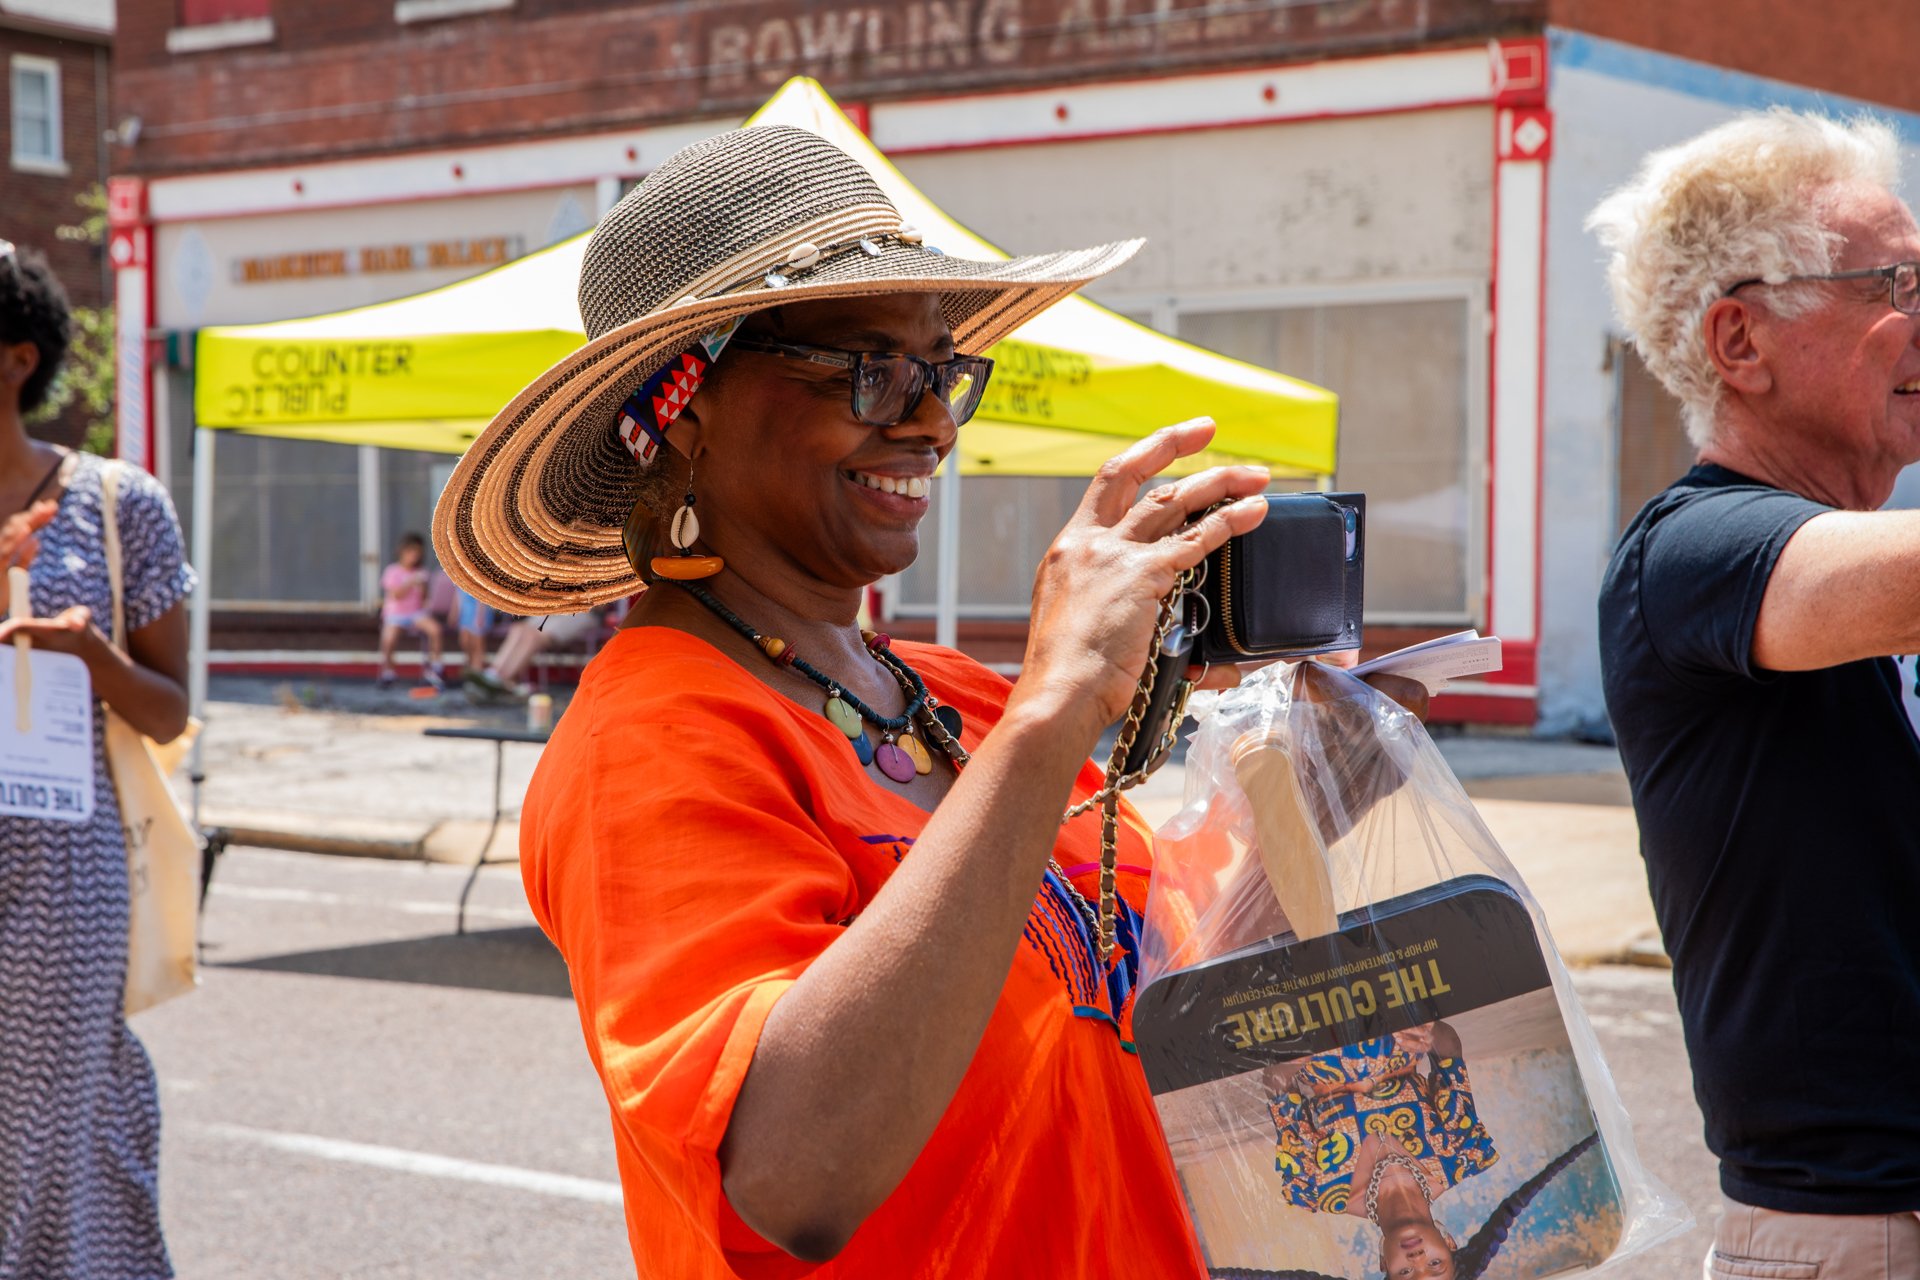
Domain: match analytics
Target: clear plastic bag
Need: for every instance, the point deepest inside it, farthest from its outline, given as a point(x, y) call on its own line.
point(1391, 1068)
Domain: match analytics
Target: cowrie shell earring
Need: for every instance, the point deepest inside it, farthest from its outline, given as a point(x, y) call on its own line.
point(685, 566)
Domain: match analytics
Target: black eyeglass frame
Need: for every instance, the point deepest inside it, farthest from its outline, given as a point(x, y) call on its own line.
point(941, 375)
point(1890, 273)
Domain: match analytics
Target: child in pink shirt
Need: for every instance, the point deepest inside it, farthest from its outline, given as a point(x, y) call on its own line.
point(403, 586)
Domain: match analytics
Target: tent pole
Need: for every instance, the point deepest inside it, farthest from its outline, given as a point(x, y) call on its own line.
point(202, 615)
point(370, 540)
point(946, 629)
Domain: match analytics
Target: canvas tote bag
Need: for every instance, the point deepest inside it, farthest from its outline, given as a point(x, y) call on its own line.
point(163, 850)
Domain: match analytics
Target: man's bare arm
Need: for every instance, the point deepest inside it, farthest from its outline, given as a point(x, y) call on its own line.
point(1846, 587)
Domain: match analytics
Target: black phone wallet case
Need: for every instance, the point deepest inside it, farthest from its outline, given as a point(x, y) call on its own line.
point(1421, 1041)
point(1291, 587)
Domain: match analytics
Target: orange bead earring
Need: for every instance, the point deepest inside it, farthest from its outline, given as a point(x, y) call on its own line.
point(683, 533)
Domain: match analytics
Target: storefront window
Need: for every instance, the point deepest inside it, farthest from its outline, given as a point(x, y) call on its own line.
point(1006, 525)
point(1404, 377)
point(1401, 371)
point(286, 522)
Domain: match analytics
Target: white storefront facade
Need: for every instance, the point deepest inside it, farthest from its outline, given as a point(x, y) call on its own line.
point(1403, 229)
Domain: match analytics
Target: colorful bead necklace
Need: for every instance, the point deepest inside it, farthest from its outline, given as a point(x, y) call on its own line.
point(900, 755)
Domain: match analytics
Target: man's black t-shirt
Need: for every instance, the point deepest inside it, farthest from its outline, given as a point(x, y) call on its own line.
point(1780, 822)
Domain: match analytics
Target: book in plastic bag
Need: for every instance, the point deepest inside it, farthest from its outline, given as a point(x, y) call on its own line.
point(1365, 1052)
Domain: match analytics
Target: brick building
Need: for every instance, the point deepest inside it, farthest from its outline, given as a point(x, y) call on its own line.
point(1382, 196)
point(59, 59)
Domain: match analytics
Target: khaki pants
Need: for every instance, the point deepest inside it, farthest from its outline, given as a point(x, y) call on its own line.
point(1763, 1244)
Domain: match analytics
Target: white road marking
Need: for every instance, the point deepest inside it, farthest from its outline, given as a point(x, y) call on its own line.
point(408, 906)
point(420, 1162)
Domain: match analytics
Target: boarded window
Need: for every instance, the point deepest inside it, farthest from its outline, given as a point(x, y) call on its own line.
point(1404, 442)
point(286, 524)
point(1400, 370)
point(1006, 525)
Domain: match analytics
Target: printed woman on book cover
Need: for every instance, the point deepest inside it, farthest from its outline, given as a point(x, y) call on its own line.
point(1362, 1131)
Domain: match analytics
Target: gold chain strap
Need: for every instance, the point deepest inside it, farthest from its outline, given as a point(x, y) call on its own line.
point(1108, 796)
point(1107, 799)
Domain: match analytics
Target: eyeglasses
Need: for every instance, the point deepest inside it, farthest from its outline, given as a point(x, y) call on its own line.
point(1903, 283)
point(887, 385)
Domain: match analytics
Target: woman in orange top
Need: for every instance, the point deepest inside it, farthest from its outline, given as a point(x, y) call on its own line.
point(843, 992)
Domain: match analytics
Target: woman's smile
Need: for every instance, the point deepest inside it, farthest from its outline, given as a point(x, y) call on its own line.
point(910, 486)
point(897, 494)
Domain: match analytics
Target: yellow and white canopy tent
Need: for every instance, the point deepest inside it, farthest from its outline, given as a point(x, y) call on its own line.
point(1070, 388)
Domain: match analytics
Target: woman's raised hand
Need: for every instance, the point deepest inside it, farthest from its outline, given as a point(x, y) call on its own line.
point(1098, 592)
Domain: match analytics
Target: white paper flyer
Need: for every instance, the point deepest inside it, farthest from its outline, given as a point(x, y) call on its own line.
point(47, 771)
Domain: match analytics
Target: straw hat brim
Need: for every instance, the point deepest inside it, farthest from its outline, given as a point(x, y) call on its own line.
point(530, 522)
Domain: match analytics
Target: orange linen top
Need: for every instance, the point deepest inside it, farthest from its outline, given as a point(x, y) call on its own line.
point(691, 841)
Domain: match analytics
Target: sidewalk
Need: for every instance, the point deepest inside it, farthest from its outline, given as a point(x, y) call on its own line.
point(340, 767)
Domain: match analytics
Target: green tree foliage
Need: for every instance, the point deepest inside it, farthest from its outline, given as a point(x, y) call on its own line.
point(87, 379)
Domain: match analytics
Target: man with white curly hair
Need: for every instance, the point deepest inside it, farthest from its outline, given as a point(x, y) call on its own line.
point(1770, 277)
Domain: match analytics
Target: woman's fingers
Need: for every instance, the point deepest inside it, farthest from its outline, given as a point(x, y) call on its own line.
point(74, 618)
point(55, 632)
point(1411, 694)
point(1220, 675)
point(1188, 545)
point(1117, 483)
point(1163, 510)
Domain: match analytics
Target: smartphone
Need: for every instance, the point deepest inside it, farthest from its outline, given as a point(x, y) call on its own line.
point(1291, 587)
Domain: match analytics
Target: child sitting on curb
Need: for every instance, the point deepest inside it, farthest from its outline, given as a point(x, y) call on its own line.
point(403, 587)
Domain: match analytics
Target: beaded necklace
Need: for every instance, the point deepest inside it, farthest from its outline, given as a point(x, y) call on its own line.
point(938, 723)
point(941, 726)
point(900, 754)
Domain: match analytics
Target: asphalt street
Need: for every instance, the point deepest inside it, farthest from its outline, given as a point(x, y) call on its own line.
point(357, 1092)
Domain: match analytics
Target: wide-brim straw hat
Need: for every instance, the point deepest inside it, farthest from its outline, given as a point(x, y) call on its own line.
point(747, 220)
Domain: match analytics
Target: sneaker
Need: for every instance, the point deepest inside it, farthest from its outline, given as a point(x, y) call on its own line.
point(386, 678)
point(485, 680)
point(432, 678)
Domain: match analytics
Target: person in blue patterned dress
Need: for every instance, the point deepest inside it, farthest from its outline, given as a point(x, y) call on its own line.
point(79, 1109)
point(1362, 1130)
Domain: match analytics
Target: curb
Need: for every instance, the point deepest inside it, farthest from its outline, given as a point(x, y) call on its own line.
point(310, 833)
point(1647, 952)
point(1644, 952)
point(456, 841)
